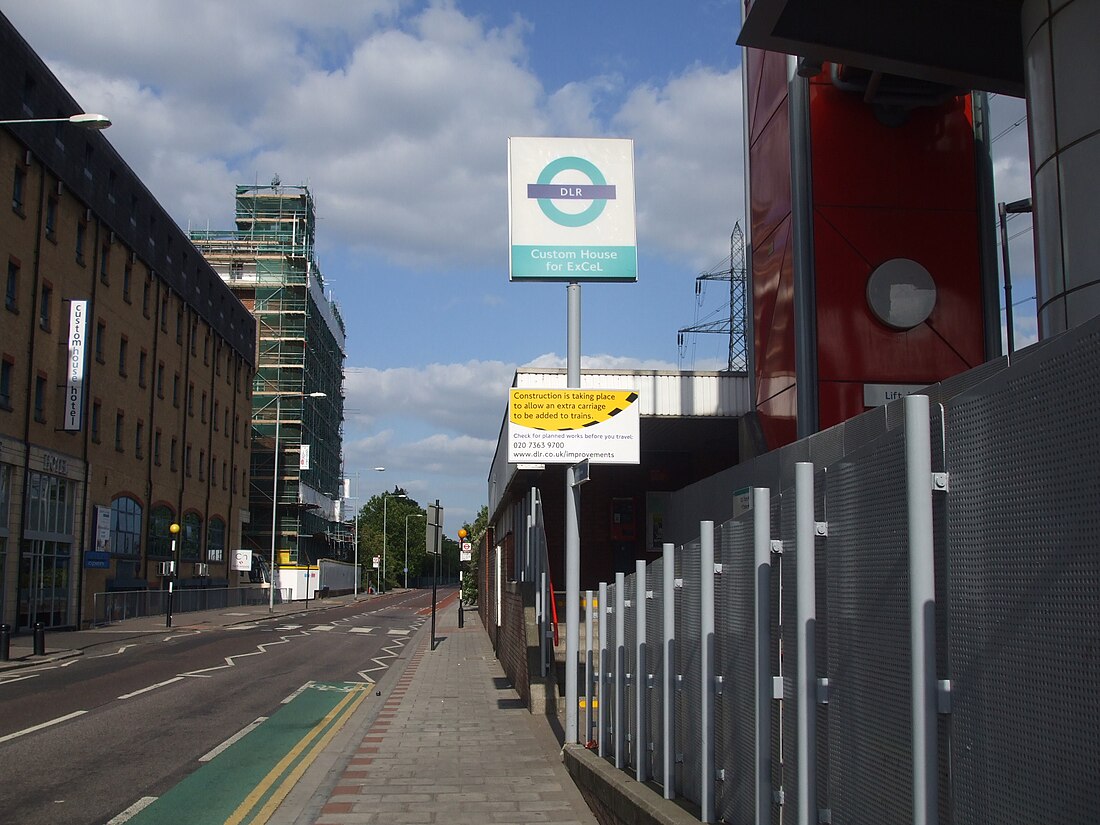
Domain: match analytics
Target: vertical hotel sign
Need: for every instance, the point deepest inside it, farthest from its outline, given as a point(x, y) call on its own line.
point(571, 209)
point(75, 366)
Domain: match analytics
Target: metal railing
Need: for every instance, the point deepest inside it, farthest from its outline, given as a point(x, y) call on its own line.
point(117, 606)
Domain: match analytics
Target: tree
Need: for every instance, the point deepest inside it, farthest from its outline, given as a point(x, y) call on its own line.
point(391, 509)
point(475, 534)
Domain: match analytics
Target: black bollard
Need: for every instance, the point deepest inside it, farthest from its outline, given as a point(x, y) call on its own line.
point(39, 639)
point(5, 642)
point(461, 617)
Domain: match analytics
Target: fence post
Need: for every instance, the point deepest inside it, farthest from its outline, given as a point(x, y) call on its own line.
point(641, 738)
point(922, 607)
point(806, 607)
point(601, 687)
point(762, 557)
point(542, 613)
point(668, 687)
point(587, 667)
point(706, 669)
point(619, 723)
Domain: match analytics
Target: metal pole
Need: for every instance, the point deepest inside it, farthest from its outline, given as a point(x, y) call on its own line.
point(641, 749)
point(1002, 213)
point(668, 688)
point(762, 557)
point(274, 504)
point(922, 607)
point(572, 530)
point(587, 666)
point(356, 592)
point(381, 571)
point(619, 722)
point(601, 686)
point(706, 669)
point(806, 607)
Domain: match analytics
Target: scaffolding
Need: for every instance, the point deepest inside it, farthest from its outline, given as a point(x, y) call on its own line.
point(268, 262)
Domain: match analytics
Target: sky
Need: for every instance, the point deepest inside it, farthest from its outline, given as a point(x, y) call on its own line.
point(397, 115)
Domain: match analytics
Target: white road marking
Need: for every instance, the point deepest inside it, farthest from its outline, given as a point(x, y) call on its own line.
point(292, 696)
point(51, 723)
point(6, 681)
point(118, 652)
point(288, 627)
point(323, 627)
point(360, 629)
point(397, 632)
point(132, 811)
point(151, 687)
point(243, 732)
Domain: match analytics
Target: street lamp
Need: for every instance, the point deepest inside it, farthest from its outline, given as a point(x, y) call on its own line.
point(89, 120)
point(409, 516)
point(377, 470)
point(275, 489)
point(385, 500)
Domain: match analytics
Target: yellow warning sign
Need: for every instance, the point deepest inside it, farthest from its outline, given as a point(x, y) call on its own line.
point(566, 426)
point(559, 410)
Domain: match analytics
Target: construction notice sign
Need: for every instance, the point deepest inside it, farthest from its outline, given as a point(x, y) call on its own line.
point(567, 426)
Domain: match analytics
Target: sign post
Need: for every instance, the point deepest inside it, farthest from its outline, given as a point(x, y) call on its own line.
point(571, 219)
point(434, 546)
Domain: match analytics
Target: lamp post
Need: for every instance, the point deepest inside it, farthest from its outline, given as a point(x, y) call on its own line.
point(275, 490)
point(409, 516)
point(89, 120)
point(174, 529)
point(385, 500)
point(377, 470)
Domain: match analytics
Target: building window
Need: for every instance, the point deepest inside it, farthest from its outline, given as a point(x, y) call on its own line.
point(81, 232)
point(19, 185)
point(100, 340)
point(191, 399)
point(194, 335)
point(139, 437)
point(112, 185)
point(120, 426)
point(217, 409)
point(179, 324)
point(127, 282)
point(164, 313)
point(160, 380)
point(176, 390)
point(143, 363)
point(202, 465)
point(44, 307)
point(156, 448)
point(160, 537)
point(7, 367)
point(206, 349)
point(105, 264)
point(215, 540)
point(225, 425)
point(175, 452)
point(146, 293)
point(225, 475)
point(125, 527)
point(96, 409)
point(40, 398)
point(187, 460)
point(51, 219)
point(11, 288)
point(191, 536)
point(202, 409)
point(123, 354)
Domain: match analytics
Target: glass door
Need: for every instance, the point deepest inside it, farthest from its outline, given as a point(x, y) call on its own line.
point(44, 584)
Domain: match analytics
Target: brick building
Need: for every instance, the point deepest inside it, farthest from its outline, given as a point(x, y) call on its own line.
point(125, 373)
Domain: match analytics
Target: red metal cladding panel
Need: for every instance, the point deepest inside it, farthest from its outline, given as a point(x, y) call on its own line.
point(883, 192)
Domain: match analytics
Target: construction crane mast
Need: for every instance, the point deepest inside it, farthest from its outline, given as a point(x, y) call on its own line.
point(732, 270)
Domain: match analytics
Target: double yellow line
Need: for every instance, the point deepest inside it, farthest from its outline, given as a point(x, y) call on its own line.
point(315, 741)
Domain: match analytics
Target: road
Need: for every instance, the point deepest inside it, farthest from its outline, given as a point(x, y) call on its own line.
point(84, 739)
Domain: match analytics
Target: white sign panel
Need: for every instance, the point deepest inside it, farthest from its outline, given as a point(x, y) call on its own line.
point(242, 560)
point(567, 426)
point(876, 395)
point(102, 528)
point(74, 367)
point(571, 209)
point(303, 457)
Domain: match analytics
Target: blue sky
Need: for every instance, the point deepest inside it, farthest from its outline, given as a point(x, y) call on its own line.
point(397, 115)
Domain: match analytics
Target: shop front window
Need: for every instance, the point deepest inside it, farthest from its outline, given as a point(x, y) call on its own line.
point(125, 527)
point(215, 540)
point(160, 537)
point(192, 537)
point(46, 560)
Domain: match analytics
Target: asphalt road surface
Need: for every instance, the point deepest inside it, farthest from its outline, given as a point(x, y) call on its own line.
point(85, 739)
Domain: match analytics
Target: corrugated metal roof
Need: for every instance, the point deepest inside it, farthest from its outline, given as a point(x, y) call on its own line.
point(661, 393)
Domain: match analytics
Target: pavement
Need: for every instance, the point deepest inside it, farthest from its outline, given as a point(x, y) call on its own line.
point(447, 739)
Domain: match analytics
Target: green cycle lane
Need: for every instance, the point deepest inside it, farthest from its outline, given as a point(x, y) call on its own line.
point(245, 783)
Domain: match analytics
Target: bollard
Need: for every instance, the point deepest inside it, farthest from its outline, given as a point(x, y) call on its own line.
point(461, 617)
point(5, 642)
point(39, 639)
